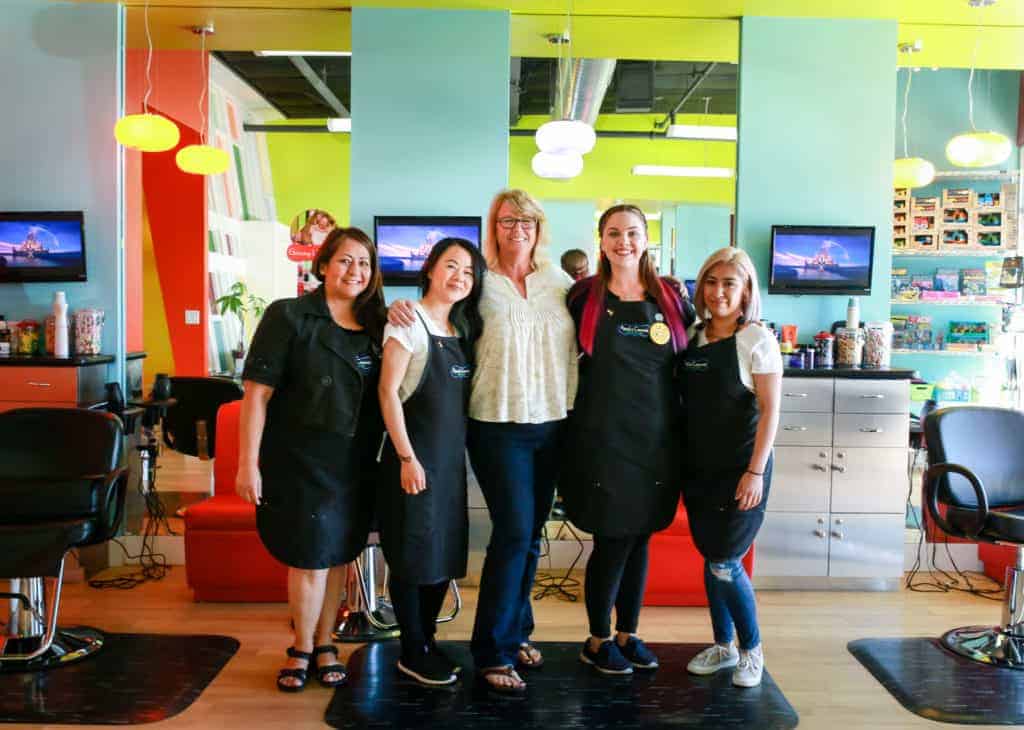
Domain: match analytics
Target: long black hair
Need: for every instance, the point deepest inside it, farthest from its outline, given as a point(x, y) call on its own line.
point(465, 314)
point(368, 308)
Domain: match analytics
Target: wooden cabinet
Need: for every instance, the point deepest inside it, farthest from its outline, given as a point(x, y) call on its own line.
point(32, 383)
point(839, 485)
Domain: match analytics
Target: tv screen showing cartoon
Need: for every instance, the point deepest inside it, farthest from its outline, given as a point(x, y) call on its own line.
point(821, 259)
point(404, 242)
point(42, 247)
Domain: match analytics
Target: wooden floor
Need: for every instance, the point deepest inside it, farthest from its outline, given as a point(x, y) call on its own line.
point(804, 633)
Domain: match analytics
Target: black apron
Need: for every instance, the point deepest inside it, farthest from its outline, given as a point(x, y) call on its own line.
point(721, 426)
point(426, 536)
point(317, 497)
point(621, 476)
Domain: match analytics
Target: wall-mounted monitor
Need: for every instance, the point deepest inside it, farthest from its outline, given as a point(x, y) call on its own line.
point(37, 247)
point(821, 259)
point(404, 242)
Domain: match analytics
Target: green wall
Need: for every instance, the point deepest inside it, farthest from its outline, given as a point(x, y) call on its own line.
point(816, 136)
point(310, 171)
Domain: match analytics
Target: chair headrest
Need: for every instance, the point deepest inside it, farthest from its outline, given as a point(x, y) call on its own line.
point(58, 443)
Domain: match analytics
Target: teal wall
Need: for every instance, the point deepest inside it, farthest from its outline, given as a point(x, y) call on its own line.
point(58, 150)
point(570, 225)
point(816, 123)
point(437, 141)
point(700, 230)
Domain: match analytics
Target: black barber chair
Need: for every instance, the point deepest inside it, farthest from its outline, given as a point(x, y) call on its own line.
point(974, 489)
point(61, 487)
point(189, 426)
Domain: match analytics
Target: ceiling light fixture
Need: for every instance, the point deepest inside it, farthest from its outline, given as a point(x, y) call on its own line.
point(701, 131)
point(676, 171)
point(562, 165)
point(271, 54)
point(974, 148)
point(339, 124)
point(202, 159)
point(147, 132)
point(910, 172)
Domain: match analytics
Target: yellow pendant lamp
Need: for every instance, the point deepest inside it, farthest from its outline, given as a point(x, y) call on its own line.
point(974, 148)
point(202, 159)
point(911, 172)
point(147, 132)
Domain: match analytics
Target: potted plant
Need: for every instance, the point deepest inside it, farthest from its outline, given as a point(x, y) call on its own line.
point(241, 302)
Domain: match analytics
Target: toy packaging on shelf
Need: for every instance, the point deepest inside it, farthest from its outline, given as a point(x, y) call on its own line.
point(952, 389)
point(912, 332)
point(963, 197)
point(900, 282)
point(924, 206)
point(956, 237)
point(968, 332)
point(924, 242)
point(972, 282)
point(923, 223)
point(947, 280)
point(955, 216)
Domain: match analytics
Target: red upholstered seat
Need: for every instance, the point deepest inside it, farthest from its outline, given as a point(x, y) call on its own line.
point(224, 557)
point(675, 574)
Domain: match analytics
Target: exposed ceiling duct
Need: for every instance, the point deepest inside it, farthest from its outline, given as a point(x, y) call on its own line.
point(580, 88)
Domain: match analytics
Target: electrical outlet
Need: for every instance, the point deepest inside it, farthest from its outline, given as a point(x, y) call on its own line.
point(191, 316)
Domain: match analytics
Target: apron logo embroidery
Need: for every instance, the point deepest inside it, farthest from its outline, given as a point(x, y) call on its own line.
point(364, 363)
point(635, 330)
point(697, 366)
point(460, 372)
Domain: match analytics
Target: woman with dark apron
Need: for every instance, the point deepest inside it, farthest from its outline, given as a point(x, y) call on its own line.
point(309, 427)
point(625, 431)
point(422, 504)
point(731, 377)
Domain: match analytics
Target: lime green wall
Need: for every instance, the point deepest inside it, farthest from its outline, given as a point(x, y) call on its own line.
point(310, 171)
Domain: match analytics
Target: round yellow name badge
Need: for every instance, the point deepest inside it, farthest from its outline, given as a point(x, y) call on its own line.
point(660, 334)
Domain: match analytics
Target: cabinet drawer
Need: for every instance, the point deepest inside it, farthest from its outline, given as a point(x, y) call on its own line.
point(792, 544)
point(867, 429)
point(804, 429)
point(807, 395)
point(39, 385)
point(800, 479)
point(865, 546)
point(872, 396)
point(868, 480)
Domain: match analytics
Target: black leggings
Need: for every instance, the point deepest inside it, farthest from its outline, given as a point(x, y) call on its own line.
point(416, 608)
point(616, 574)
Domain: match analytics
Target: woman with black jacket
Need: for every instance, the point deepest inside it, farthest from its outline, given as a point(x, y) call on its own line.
point(310, 423)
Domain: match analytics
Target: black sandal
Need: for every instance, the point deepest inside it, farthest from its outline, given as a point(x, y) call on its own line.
point(507, 690)
point(336, 668)
point(299, 674)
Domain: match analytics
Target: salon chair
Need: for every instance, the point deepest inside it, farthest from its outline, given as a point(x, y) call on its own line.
point(974, 489)
point(190, 426)
point(61, 487)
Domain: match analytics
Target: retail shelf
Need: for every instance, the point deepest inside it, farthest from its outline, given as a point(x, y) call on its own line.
point(997, 175)
point(946, 303)
point(946, 353)
point(975, 253)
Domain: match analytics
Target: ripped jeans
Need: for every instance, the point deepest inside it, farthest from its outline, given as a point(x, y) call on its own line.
point(731, 602)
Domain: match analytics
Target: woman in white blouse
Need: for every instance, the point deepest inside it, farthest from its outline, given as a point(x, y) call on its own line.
point(524, 384)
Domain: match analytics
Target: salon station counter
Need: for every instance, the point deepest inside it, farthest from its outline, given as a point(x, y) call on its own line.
point(836, 511)
point(32, 381)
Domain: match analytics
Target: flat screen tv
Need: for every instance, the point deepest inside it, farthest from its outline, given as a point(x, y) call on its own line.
point(821, 259)
point(38, 247)
point(404, 242)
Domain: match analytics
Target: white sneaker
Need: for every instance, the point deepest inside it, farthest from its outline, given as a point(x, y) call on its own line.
point(713, 658)
point(750, 668)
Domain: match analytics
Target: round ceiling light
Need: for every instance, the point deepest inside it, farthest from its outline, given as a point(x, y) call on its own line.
point(202, 159)
point(147, 132)
point(978, 149)
point(912, 172)
point(566, 135)
point(557, 166)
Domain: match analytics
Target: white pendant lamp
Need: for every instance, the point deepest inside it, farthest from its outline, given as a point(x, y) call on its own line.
point(562, 165)
point(147, 132)
point(977, 148)
point(907, 171)
point(566, 135)
point(202, 159)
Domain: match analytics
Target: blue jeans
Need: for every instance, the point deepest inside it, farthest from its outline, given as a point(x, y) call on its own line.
point(516, 465)
point(731, 601)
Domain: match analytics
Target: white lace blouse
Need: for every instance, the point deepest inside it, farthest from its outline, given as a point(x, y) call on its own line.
point(526, 368)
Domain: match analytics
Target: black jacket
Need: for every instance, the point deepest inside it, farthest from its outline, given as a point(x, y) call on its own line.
point(319, 381)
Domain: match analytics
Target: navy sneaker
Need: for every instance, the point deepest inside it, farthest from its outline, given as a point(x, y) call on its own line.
point(607, 659)
point(636, 653)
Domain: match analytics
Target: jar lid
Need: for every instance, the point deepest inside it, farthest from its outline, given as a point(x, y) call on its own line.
point(28, 323)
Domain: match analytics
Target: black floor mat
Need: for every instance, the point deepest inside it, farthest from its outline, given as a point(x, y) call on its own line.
point(937, 684)
point(563, 694)
point(134, 678)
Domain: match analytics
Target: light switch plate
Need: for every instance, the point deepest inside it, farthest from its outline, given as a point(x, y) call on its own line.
point(191, 316)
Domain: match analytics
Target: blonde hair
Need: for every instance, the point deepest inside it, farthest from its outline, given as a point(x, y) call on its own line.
point(751, 301)
point(525, 204)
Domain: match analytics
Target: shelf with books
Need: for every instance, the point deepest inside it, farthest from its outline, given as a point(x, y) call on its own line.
point(947, 353)
point(972, 253)
point(947, 303)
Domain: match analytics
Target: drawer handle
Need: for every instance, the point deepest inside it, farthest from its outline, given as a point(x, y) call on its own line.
point(819, 467)
point(839, 468)
point(871, 430)
point(837, 534)
point(795, 395)
point(876, 396)
point(39, 385)
point(795, 428)
point(819, 533)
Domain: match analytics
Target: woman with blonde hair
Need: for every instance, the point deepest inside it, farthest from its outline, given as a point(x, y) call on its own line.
point(523, 387)
point(731, 377)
